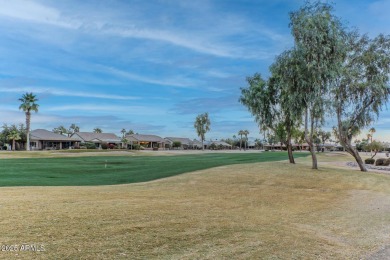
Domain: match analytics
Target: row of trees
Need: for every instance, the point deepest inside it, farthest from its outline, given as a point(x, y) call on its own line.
point(202, 126)
point(73, 128)
point(14, 135)
point(330, 71)
point(21, 133)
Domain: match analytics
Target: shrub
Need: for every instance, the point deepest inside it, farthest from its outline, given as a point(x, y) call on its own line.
point(90, 145)
point(176, 144)
point(135, 147)
point(379, 162)
point(112, 146)
point(386, 162)
point(213, 146)
point(369, 161)
point(104, 146)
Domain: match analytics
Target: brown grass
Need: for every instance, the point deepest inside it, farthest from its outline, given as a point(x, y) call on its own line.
point(258, 211)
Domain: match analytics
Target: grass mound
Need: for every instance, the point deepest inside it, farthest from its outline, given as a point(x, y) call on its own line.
point(99, 170)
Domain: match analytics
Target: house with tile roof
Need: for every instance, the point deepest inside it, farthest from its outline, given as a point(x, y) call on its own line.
point(98, 138)
point(195, 144)
point(186, 143)
point(217, 145)
point(146, 141)
point(41, 139)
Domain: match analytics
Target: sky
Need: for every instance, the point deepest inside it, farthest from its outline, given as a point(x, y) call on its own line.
point(151, 66)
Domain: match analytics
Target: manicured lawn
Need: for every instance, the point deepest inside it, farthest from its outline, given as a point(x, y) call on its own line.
point(99, 170)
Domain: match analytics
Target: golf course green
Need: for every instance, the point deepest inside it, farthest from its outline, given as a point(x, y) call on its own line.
point(101, 170)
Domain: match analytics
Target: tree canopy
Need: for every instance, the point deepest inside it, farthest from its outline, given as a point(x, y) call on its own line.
point(28, 104)
point(202, 126)
point(330, 70)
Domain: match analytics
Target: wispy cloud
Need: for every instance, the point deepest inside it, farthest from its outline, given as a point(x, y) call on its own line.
point(207, 40)
point(201, 105)
point(128, 110)
point(176, 82)
point(35, 12)
point(185, 41)
point(68, 93)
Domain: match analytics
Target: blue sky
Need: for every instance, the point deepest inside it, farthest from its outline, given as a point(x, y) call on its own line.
point(151, 66)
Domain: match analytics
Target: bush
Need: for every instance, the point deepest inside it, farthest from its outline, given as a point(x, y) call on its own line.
point(213, 146)
point(176, 144)
point(104, 146)
point(386, 162)
point(135, 147)
point(369, 161)
point(112, 146)
point(90, 145)
point(380, 161)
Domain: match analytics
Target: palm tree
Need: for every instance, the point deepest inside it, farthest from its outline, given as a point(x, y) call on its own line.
point(97, 130)
point(202, 126)
point(123, 131)
point(124, 142)
point(130, 132)
point(14, 136)
point(60, 130)
point(73, 129)
point(234, 140)
point(246, 133)
point(28, 104)
point(372, 131)
point(241, 133)
point(370, 135)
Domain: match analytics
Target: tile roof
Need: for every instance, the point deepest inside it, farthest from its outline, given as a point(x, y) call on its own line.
point(183, 141)
point(196, 142)
point(45, 135)
point(103, 137)
point(145, 138)
point(221, 143)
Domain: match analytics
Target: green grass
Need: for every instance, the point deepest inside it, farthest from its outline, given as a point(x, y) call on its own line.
point(86, 171)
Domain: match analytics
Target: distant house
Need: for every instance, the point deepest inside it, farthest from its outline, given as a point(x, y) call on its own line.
point(195, 144)
point(41, 139)
point(220, 145)
point(186, 143)
point(146, 141)
point(98, 138)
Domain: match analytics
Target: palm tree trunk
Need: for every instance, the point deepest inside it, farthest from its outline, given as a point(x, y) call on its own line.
point(28, 118)
point(13, 145)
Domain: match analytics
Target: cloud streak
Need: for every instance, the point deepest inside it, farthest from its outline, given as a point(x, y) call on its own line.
point(176, 82)
point(61, 92)
point(197, 40)
point(128, 110)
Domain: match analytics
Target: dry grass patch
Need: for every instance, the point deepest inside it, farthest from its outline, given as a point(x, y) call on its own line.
point(258, 211)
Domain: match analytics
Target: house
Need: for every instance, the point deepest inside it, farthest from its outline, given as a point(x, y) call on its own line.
point(41, 139)
point(146, 141)
point(219, 145)
point(195, 144)
point(185, 143)
point(98, 138)
point(222, 145)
